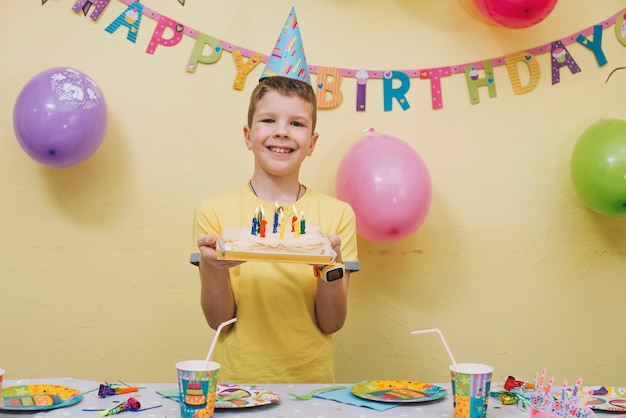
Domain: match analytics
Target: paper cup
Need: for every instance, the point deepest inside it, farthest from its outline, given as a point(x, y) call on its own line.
point(196, 387)
point(470, 389)
point(1, 398)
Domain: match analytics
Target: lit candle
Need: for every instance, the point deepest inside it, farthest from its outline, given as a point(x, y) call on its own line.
point(302, 223)
point(295, 225)
point(255, 221)
point(550, 383)
point(261, 214)
point(282, 225)
point(294, 218)
point(560, 403)
point(263, 226)
point(275, 229)
point(577, 386)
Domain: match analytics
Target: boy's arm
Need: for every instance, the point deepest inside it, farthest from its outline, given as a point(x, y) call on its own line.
point(216, 296)
point(331, 301)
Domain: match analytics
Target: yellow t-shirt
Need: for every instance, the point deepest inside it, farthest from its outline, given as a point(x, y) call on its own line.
point(276, 337)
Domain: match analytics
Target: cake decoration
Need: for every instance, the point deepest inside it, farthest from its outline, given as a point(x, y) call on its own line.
point(259, 222)
point(300, 239)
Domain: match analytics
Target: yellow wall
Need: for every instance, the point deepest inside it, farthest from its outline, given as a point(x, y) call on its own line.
point(510, 264)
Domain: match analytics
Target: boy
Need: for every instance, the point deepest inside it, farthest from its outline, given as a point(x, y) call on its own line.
point(285, 315)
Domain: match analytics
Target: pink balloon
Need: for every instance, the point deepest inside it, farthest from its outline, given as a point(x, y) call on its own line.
point(515, 14)
point(60, 117)
point(387, 184)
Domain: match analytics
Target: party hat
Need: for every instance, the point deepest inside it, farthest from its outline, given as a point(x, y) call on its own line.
point(287, 58)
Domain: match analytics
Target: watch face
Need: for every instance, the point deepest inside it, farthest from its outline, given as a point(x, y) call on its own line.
point(334, 274)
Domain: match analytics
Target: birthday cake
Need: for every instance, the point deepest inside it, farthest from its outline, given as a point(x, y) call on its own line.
point(313, 241)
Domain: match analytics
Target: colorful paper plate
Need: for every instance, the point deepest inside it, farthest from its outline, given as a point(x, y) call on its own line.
point(606, 398)
point(398, 391)
point(246, 396)
point(39, 397)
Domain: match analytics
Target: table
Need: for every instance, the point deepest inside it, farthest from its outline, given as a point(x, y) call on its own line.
point(287, 408)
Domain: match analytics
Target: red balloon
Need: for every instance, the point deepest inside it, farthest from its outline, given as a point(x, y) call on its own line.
point(515, 14)
point(387, 184)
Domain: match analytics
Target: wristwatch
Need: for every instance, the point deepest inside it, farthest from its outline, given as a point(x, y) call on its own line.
point(330, 272)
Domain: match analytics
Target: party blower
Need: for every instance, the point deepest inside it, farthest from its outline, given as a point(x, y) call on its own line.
point(197, 382)
point(470, 401)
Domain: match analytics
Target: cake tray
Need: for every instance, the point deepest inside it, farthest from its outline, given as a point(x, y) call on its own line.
point(223, 253)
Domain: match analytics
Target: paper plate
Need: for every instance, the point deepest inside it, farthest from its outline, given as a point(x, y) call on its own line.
point(247, 396)
point(606, 398)
point(39, 397)
point(398, 391)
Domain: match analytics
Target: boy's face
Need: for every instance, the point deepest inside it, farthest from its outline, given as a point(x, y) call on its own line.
point(281, 134)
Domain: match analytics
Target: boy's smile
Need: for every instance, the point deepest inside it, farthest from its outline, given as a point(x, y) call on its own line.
point(280, 150)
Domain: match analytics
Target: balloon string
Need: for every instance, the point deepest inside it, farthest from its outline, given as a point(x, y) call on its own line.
point(611, 73)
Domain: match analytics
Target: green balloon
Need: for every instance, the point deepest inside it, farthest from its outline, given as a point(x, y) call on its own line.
point(598, 167)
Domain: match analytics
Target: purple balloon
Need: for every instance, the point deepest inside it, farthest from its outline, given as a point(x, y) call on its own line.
point(60, 117)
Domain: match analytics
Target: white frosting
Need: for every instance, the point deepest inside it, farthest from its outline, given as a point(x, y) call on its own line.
point(241, 239)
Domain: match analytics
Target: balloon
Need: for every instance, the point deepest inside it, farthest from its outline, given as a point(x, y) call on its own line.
point(515, 14)
point(598, 167)
point(60, 117)
point(387, 184)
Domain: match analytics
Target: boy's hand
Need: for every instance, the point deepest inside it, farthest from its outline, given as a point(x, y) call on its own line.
point(208, 253)
point(335, 244)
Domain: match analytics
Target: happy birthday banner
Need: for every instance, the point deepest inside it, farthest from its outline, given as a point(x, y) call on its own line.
point(396, 83)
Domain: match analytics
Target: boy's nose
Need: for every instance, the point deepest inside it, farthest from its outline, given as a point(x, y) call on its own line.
point(281, 131)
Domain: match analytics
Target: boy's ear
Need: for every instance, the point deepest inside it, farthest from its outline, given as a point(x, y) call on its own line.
point(246, 136)
point(312, 144)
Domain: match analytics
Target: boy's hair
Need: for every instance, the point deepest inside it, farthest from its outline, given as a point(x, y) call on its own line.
point(286, 87)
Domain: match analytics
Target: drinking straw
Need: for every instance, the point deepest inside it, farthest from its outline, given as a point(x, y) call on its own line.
point(443, 340)
point(217, 334)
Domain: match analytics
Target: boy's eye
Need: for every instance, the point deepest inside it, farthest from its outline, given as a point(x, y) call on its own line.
point(296, 123)
point(267, 120)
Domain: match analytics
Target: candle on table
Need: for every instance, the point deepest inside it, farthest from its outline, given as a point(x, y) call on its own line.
point(577, 386)
point(302, 223)
point(281, 225)
point(275, 228)
point(550, 383)
point(263, 226)
point(560, 403)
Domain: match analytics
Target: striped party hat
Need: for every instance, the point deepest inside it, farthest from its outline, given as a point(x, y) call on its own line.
point(287, 58)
